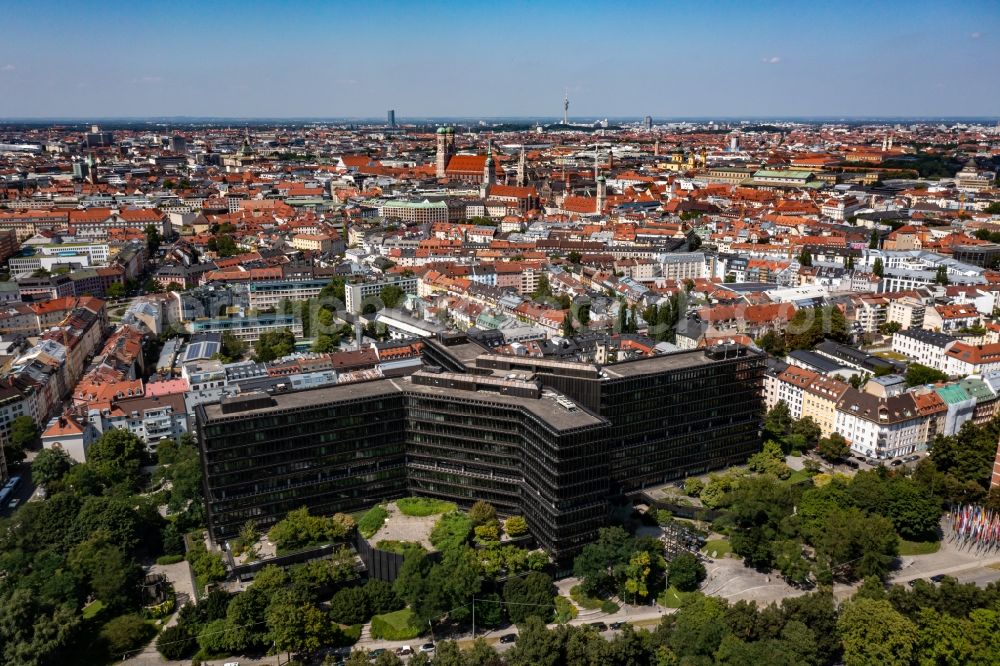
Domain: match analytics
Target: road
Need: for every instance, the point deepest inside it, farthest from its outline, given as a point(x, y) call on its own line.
point(26, 491)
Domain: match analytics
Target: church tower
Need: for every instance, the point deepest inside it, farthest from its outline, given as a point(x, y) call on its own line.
point(445, 149)
point(489, 171)
point(602, 194)
point(521, 169)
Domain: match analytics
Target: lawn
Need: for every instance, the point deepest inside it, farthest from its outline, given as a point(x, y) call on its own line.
point(397, 626)
point(92, 609)
point(399, 547)
point(717, 548)
point(797, 476)
point(423, 506)
point(672, 597)
point(918, 547)
point(371, 521)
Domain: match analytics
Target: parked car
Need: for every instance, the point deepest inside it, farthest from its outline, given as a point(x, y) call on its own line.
point(508, 638)
point(852, 464)
point(13, 503)
point(896, 463)
point(615, 626)
point(427, 647)
point(404, 651)
point(911, 458)
point(937, 578)
point(600, 626)
point(372, 654)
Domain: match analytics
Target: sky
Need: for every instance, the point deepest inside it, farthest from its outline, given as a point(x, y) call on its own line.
point(666, 58)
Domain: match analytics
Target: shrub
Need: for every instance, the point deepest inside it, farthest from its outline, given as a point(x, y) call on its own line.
point(515, 526)
point(609, 607)
point(346, 636)
point(488, 531)
point(565, 610)
point(125, 633)
point(300, 530)
point(176, 642)
point(169, 559)
point(400, 547)
point(451, 530)
point(373, 519)
point(693, 486)
point(423, 506)
point(482, 513)
point(577, 594)
point(397, 626)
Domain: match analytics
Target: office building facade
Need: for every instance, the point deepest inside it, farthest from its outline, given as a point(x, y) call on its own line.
point(550, 440)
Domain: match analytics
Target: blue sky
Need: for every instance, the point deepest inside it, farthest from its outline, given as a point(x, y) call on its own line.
point(358, 59)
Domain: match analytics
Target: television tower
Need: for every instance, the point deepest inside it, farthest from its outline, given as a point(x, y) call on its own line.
point(566, 108)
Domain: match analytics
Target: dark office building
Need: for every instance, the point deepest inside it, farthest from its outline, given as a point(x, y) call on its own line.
point(544, 438)
point(391, 118)
point(986, 255)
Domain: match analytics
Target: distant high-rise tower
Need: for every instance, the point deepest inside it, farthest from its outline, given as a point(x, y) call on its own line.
point(648, 122)
point(392, 117)
point(566, 109)
point(521, 169)
point(734, 143)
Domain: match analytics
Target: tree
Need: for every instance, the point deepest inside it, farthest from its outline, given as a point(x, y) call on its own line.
point(873, 241)
point(298, 628)
point(574, 257)
point(773, 343)
point(232, 348)
point(833, 448)
point(350, 606)
point(941, 276)
point(805, 258)
point(778, 421)
point(685, 572)
point(515, 526)
point(50, 465)
point(698, 627)
point(299, 529)
point(567, 325)
point(116, 457)
point(542, 289)
point(152, 238)
point(530, 596)
point(245, 618)
point(116, 290)
point(391, 295)
point(24, 434)
point(917, 374)
point(380, 597)
point(877, 267)
point(273, 345)
point(874, 633)
point(810, 326)
point(600, 566)
point(536, 645)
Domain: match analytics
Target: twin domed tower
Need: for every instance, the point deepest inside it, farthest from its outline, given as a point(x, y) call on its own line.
point(445, 148)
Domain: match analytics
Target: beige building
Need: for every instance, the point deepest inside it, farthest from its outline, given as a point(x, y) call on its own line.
point(908, 312)
point(316, 242)
point(819, 402)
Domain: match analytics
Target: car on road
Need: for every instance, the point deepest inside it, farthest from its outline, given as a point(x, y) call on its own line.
point(852, 464)
point(911, 458)
point(937, 578)
point(896, 463)
point(600, 626)
point(508, 638)
point(427, 647)
point(404, 651)
point(231, 663)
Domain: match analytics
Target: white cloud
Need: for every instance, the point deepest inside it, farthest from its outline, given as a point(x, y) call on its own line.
point(147, 79)
point(773, 60)
point(976, 35)
point(8, 68)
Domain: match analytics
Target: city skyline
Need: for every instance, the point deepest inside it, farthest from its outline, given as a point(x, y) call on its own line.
point(725, 60)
